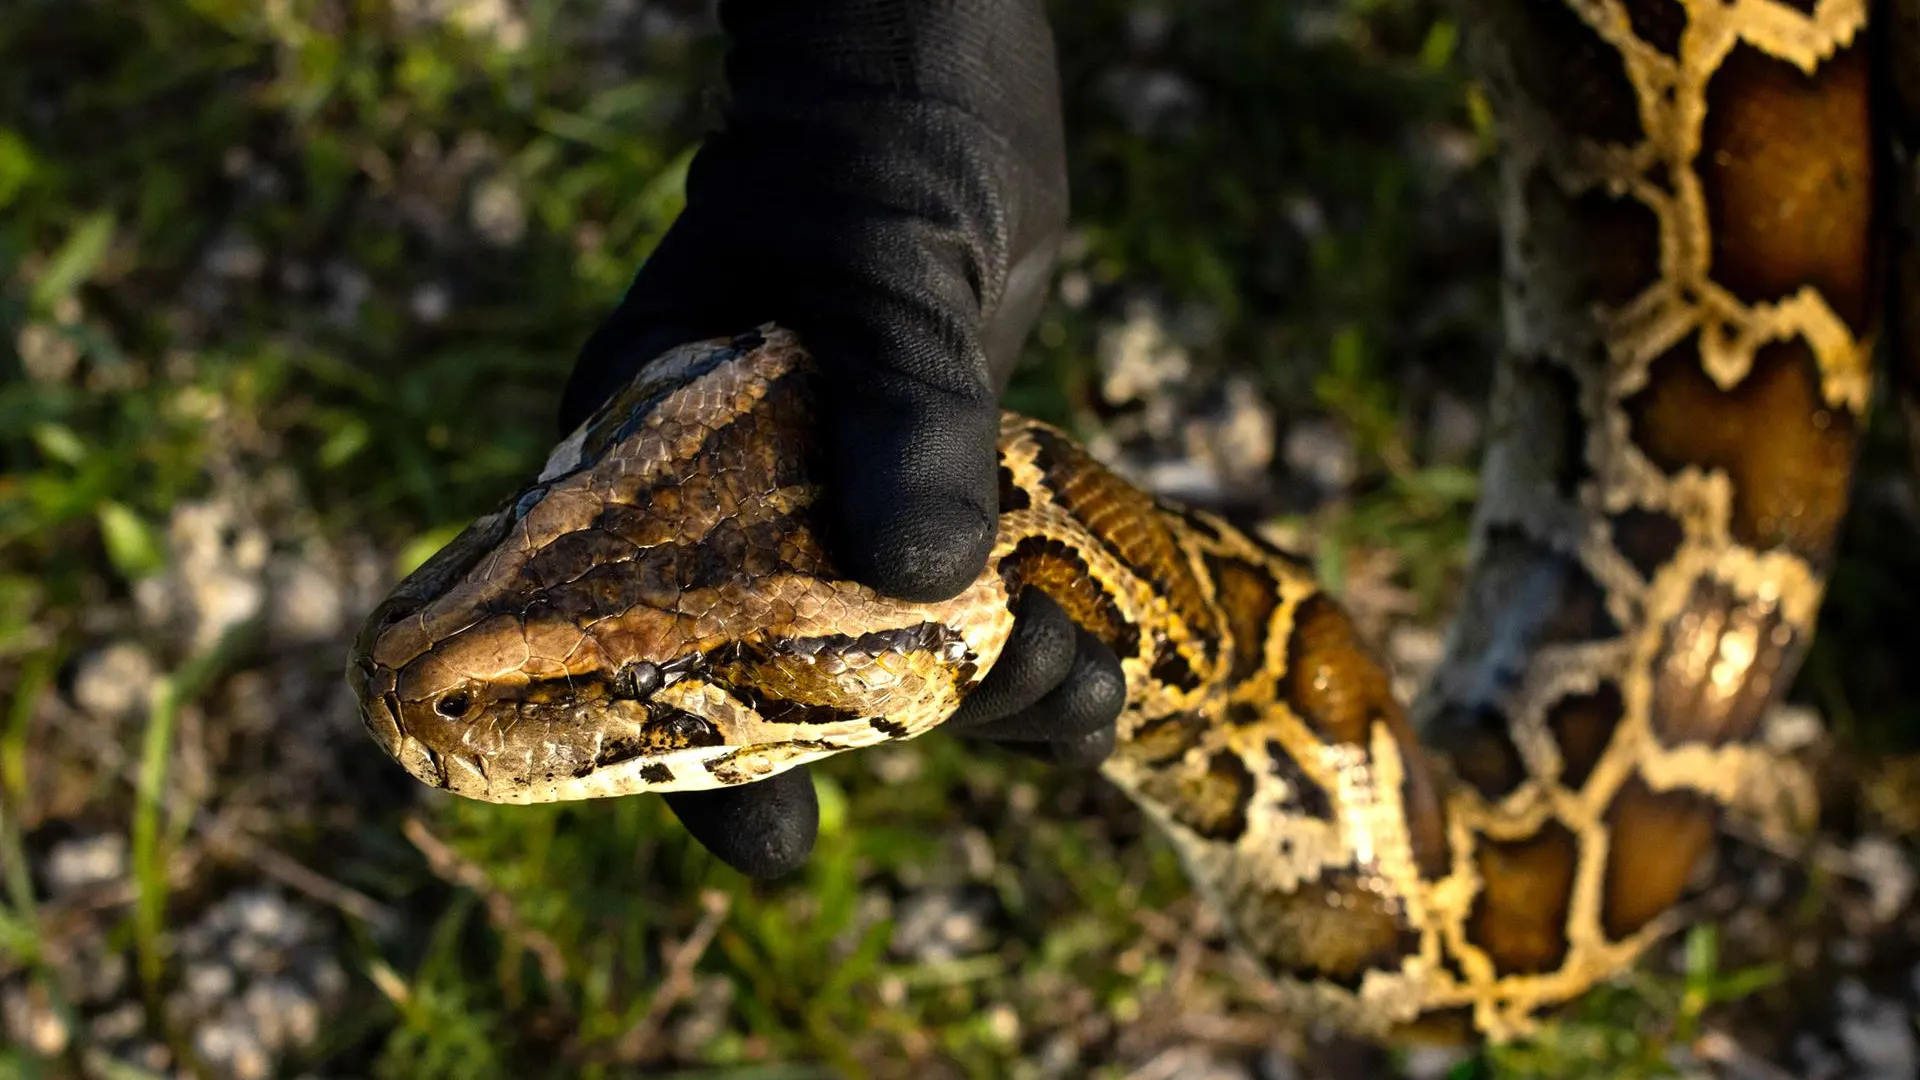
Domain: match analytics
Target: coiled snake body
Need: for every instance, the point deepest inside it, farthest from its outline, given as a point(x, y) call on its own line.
point(1687, 198)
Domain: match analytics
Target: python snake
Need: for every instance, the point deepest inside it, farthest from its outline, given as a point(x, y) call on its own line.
point(1688, 208)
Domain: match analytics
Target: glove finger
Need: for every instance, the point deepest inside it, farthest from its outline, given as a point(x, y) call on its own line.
point(917, 503)
point(1038, 656)
point(764, 830)
point(1080, 752)
point(911, 419)
point(1088, 700)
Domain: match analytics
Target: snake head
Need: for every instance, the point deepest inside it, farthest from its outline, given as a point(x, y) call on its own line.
point(655, 612)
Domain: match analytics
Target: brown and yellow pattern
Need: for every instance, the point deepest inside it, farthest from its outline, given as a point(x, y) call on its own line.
point(1689, 221)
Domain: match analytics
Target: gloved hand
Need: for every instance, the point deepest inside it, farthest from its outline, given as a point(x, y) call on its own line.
point(890, 183)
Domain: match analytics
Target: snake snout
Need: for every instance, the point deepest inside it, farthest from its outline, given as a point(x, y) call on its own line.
point(378, 716)
point(379, 710)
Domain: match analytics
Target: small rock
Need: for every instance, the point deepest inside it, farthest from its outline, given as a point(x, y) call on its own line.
point(84, 862)
point(28, 1019)
point(431, 302)
point(1877, 1034)
point(351, 289)
point(1305, 213)
point(309, 601)
point(208, 982)
point(1238, 440)
point(1888, 873)
point(120, 1023)
point(498, 213)
point(259, 981)
point(265, 914)
point(1816, 1060)
point(1432, 1062)
point(1152, 101)
point(1190, 1063)
point(943, 924)
point(114, 682)
point(236, 256)
point(1323, 452)
point(1138, 358)
point(214, 582)
point(895, 765)
point(1075, 289)
point(1789, 727)
point(1059, 1056)
point(1003, 1024)
point(233, 1051)
point(48, 353)
point(1413, 652)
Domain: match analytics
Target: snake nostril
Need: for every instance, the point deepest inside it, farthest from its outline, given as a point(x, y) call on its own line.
point(453, 706)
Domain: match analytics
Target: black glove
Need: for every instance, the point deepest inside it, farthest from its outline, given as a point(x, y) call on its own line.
point(890, 183)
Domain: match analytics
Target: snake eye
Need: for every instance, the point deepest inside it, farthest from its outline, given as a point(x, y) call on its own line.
point(637, 680)
point(453, 706)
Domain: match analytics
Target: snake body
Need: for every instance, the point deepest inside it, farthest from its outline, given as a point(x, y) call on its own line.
point(1687, 191)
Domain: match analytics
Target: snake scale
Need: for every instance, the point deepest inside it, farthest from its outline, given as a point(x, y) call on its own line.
point(1690, 282)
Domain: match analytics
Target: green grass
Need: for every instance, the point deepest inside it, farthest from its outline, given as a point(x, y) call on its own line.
point(241, 251)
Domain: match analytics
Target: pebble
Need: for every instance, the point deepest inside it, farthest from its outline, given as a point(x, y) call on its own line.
point(431, 302)
point(1003, 1023)
point(259, 978)
point(27, 1019)
point(213, 583)
point(937, 925)
point(351, 288)
point(115, 681)
point(208, 982)
point(498, 212)
point(1432, 1062)
point(47, 353)
point(1322, 451)
point(84, 862)
point(1877, 1034)
point(236, 256)
point(122, 1022)
point(310, 604)
point(1152, 101)
point(1138, 357)
point(896, 765)
point(1413, 652)
point(1306, 214)
point(1238, 440)
point(1190, 1063)
point(1889, 875)
point(1788, 727)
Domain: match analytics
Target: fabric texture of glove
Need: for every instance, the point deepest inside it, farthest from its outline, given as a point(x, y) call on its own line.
point(889, 182)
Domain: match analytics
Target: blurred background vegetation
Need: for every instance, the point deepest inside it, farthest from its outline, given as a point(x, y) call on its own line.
point(289, 289)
